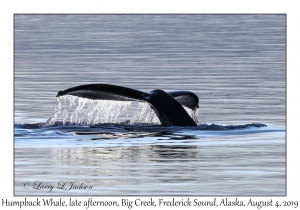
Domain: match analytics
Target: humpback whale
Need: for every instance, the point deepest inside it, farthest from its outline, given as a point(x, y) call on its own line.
point(167, 105)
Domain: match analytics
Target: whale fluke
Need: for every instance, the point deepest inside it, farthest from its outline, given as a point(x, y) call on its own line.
point(167, 106)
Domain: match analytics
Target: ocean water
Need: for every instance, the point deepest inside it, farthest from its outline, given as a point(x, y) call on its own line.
point(235, 64)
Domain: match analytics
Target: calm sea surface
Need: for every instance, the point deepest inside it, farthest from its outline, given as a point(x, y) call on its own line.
point(236, 65)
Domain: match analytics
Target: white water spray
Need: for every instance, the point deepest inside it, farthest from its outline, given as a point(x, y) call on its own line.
point(144, 114)
point(73, 110)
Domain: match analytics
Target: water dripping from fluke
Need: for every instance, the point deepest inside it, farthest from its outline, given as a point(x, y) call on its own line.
point(73, 110)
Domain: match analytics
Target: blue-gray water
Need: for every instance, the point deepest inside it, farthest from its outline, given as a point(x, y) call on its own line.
point(234, 63)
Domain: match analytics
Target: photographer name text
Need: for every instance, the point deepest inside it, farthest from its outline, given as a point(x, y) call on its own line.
point(61, 185)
